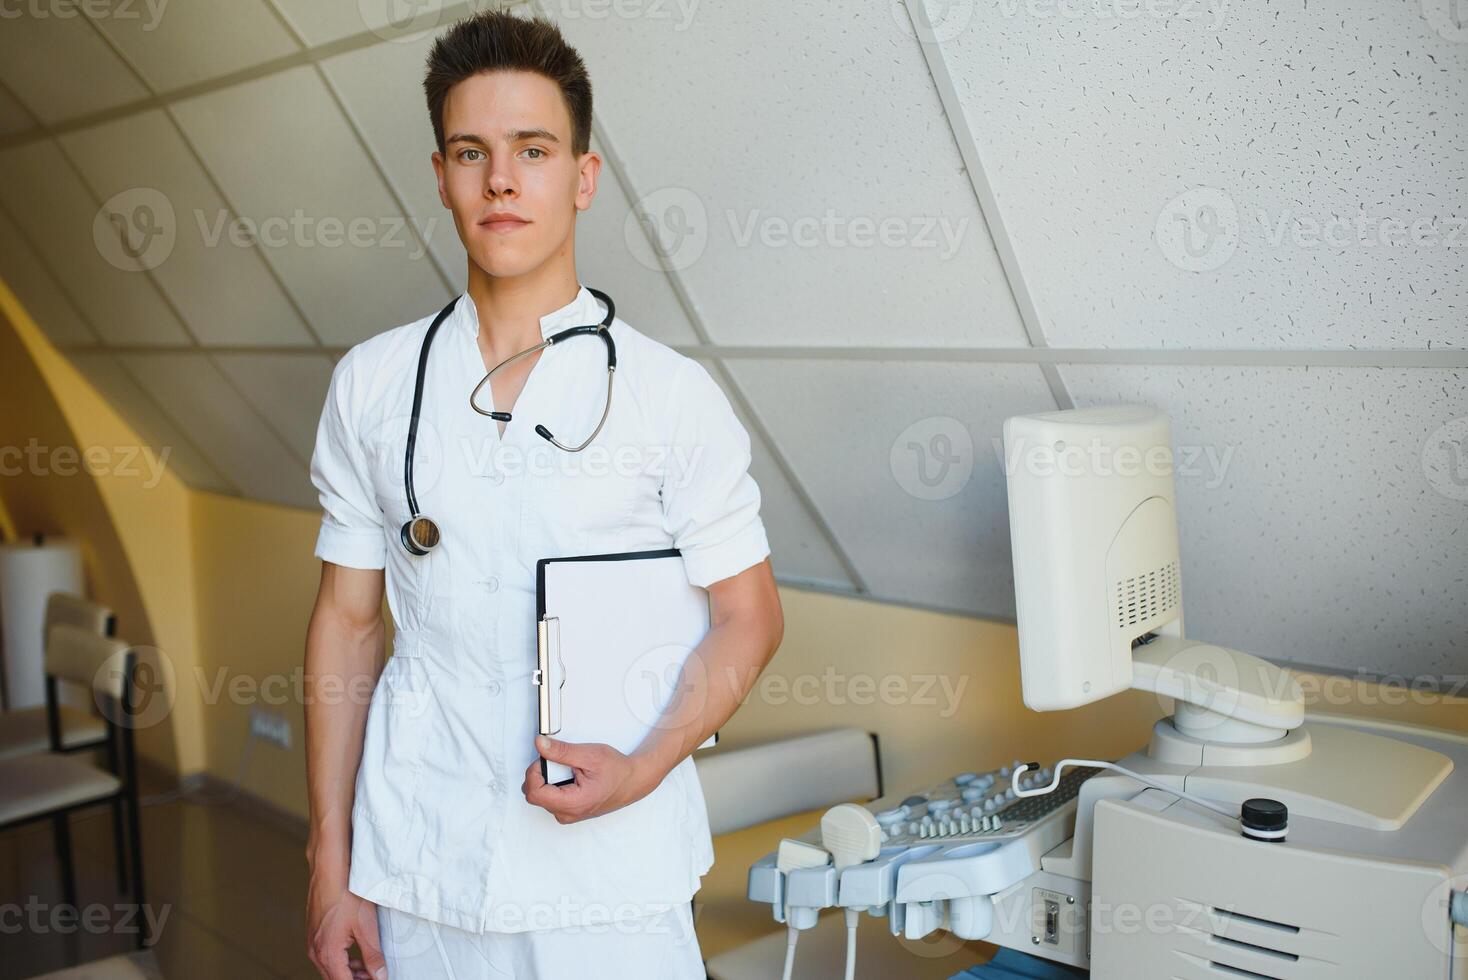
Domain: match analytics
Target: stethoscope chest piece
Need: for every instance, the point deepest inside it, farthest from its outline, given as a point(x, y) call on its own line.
point(420, 535)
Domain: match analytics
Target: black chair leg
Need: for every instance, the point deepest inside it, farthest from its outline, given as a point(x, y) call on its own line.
point(135, 855)
point(62, 828)
point(119, 845)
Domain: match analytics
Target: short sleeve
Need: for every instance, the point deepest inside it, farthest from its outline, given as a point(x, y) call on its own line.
point(351, 522)
point(710, 502)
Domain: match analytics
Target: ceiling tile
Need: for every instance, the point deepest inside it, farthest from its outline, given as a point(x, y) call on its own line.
point(1322, 513)
point(908, 477)
point(219, 283)
point(382, 88)
point(835, 227)
point(1226, 179)
point(288, 390)
point(61, 217)
point(201, 401)
point(155, 428)
point(60, 67)
point(320, 22)
point(799, 550)
point(13, 116)
point(189, 42)
point(37, 289)
point(288, 160)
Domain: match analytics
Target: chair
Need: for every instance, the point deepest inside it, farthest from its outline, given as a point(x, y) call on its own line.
point(24, 731)
point(53, 785)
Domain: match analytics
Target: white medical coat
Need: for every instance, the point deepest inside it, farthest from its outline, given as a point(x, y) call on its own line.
point(439, 825)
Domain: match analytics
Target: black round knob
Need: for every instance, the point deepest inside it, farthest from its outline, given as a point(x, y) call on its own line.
point(1265, 819)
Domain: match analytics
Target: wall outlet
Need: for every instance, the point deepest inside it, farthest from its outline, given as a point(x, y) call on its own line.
point(270, 727)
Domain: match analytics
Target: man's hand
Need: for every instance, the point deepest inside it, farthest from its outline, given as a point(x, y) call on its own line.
point(335, 919)
point(606, 780)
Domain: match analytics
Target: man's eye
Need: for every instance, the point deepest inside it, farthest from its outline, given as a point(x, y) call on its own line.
point(537, 150)
point(468, 158)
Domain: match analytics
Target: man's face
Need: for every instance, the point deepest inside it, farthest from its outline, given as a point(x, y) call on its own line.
point(507, 150)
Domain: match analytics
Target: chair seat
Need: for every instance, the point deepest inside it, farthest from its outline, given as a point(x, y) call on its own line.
point(23, 731)
point(33, 785)
point(137, 966)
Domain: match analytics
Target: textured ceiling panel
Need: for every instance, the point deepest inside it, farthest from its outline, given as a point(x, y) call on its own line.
point(13, 116)
point(382, 87)
point(202, 401)
point(798, 170)
point(1246, 175)
point(59, 66)
point(286, 157)
point(287, 390)
point(37, 290)
point(218, 282)
point(799, 550)
point(183, 43)
point(899, 459)
point(320, 22)
point(48, 200)
point(153, 425)
point(1323, 517)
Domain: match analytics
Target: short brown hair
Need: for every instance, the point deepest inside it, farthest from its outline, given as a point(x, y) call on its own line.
point(498, 41)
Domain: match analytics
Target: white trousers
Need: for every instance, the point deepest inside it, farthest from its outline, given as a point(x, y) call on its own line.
point(653, 947)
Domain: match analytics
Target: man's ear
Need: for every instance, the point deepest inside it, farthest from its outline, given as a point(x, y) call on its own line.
point(438, 170)
point(590, 174)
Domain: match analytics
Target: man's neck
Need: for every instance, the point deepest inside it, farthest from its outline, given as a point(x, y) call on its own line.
point(510, 310)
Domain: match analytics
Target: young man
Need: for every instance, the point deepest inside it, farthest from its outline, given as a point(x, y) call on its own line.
point(436, 847)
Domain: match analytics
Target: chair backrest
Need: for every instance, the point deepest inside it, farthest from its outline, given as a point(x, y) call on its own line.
point(63, 607)
point(747, 786)
point(76, 654)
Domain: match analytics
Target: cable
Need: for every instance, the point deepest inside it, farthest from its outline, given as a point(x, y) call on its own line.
point(853, 918)
point(791, 938)
point(1096, 763)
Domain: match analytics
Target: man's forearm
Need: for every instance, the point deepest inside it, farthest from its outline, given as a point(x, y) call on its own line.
point(716, 678)
point(342, 664)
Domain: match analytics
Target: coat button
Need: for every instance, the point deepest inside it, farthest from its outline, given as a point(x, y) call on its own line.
point(492, 584)
point(494, 687)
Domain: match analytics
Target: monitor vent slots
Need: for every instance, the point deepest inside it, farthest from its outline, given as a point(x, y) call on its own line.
point(1146, 597)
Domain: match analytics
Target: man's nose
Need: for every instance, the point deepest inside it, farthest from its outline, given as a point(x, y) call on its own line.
point(501, 181)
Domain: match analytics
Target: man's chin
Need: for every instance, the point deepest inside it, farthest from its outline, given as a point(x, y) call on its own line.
point(504, 263)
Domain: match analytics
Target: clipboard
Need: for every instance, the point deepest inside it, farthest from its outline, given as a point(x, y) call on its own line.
point(612, 634)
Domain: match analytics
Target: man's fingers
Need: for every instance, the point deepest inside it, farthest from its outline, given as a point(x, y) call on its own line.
point(369, 941)
point(574, 754)
point(331, 956)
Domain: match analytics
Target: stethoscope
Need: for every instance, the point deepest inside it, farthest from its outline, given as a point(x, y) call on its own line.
point(420, 534)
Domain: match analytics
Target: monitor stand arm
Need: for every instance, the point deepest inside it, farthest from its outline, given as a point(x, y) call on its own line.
point(1221, 695)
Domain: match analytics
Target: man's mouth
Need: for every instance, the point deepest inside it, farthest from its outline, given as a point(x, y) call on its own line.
point(502, 224)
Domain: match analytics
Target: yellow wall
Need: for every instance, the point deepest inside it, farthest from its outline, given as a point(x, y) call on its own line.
point(257, 581)
point(134, 535)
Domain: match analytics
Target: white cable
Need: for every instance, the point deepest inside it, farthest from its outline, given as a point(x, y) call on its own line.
point(1148, 780)
point(853, 918)
point(791, 938)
